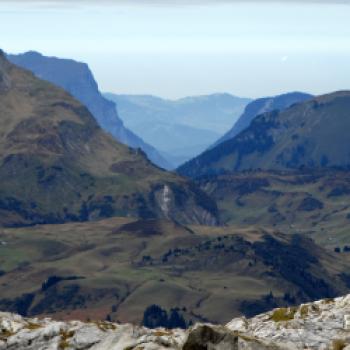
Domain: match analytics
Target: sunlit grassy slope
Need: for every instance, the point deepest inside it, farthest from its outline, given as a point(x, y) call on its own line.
point(119, 266)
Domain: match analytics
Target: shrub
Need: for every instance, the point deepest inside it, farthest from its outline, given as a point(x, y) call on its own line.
point(154, 317)
point(176, 320)
point(52, 280)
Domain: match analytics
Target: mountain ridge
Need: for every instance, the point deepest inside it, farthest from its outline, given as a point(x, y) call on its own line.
point(299, 136)
point(58, 165)
point(260, 106)
point(77, 78)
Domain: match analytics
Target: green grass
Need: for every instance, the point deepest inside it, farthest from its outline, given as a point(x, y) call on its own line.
point(285, 192)
point(113, 274)
point(11, 258)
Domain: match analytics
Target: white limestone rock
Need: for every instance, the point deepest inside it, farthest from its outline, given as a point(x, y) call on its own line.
point(319, 325)
point(322, 325)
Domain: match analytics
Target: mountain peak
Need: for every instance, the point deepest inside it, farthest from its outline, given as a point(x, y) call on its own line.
point(32, 53)
point(77, 78)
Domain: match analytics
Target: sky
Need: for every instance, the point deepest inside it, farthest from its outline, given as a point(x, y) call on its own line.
point(178, 48)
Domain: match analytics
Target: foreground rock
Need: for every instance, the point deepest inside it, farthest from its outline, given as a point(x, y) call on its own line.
point(322, 325)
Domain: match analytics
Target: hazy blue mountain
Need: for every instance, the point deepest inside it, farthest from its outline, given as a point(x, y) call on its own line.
point(183, 128)
point(76, 78)
point(261, 106)
point(310, 134)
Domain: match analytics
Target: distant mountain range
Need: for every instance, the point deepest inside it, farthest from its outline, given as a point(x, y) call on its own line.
point(260, 106)
point(130, 235)
point(311, 134)
point(76, 78)
point(58, 165)
point(180, 129)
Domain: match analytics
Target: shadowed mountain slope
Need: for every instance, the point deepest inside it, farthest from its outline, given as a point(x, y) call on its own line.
point(57, 164)
point(76, 78)
point(311, 134)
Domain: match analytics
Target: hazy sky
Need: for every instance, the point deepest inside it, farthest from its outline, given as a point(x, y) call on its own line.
point(173, 49)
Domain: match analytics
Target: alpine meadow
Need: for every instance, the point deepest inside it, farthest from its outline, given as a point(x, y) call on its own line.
point(174, 175)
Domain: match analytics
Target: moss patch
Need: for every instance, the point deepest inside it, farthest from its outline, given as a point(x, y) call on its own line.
point(283, 314)
point(105, 326)
point(339, 344)
point(5, 334)
point(32, 326)
point(65, 336)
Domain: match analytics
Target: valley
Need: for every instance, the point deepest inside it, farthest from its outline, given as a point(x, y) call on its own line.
point(182, 128)
point(91, 229)
point(174, 175)
point(115, 268)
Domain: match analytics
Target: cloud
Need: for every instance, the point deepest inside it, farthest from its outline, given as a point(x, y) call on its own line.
point(168, 2)
point(15, 6)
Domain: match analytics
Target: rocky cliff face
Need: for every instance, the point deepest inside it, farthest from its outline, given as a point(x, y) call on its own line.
point(78, 80)
point(322, 325)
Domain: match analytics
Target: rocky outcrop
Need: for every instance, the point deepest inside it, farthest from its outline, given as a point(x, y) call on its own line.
point(322, 325)
point(34, 334)
point(319, 325)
